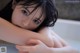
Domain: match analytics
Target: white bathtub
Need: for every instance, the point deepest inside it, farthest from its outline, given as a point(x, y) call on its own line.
point(70, 31)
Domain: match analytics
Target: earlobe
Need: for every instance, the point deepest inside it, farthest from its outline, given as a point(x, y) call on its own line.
point(14, 3)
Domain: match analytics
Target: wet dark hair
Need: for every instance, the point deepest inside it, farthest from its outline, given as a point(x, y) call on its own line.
point(48, 8)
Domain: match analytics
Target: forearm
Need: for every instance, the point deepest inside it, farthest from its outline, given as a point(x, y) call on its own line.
point(42, 48)
point(16, 35)
point(46, 32)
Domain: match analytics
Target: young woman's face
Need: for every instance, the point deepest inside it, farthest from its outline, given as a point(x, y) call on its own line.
point(21, 17)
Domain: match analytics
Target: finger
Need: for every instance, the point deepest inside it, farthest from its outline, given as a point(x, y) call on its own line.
point(32, 42)
point(46, 40)
point(30, 48)
point(22, 48)
point(57, 43)
point(59, 38)
point(30, 45)
point(64, 43)
point(25, 48)
point(41, 43)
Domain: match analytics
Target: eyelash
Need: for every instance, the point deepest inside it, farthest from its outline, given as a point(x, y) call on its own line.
point(25, 12)
point(37, 21)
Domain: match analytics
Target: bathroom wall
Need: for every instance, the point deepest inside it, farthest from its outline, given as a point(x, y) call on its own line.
point(68, 9)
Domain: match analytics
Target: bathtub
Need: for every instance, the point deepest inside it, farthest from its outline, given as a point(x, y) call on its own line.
point(69, 30)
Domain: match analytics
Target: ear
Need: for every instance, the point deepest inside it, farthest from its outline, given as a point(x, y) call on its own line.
point(14, 3)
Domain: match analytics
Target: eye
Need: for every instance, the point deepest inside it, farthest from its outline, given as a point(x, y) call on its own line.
point(37, 21)
point(25, 12)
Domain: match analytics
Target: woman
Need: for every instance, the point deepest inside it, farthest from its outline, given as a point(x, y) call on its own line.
point(22, 23)
point(30, 14)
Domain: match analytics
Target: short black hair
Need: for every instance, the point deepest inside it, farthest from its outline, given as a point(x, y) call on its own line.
point(51, 13)
point(48, 7)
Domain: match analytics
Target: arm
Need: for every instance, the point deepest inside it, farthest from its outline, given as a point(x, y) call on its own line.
point(65, 48)
point(48, 32)
point(42, 48)
point(16, 35)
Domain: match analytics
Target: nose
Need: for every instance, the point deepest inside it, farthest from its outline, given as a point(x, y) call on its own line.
point(26, 22)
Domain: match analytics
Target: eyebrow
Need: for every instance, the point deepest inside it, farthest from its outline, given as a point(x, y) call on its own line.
point(28, 10)
point(25, 7)
point(35, 7)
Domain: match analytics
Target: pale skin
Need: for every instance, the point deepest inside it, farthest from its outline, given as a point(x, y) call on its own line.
point(60, 46)
point(16, 33)
point(26, 23)
point(59, 43)
point(38, 46)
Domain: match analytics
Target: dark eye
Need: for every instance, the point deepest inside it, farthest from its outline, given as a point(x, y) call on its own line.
point(25, 12)
point(37, 21)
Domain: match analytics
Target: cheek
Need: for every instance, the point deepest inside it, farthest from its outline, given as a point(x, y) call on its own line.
point(33, 25)
point(17, 18)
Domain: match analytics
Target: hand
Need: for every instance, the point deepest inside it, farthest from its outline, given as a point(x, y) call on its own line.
point(60, 47)
point(39, 47)
point(21, 35)
point(42, 48)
